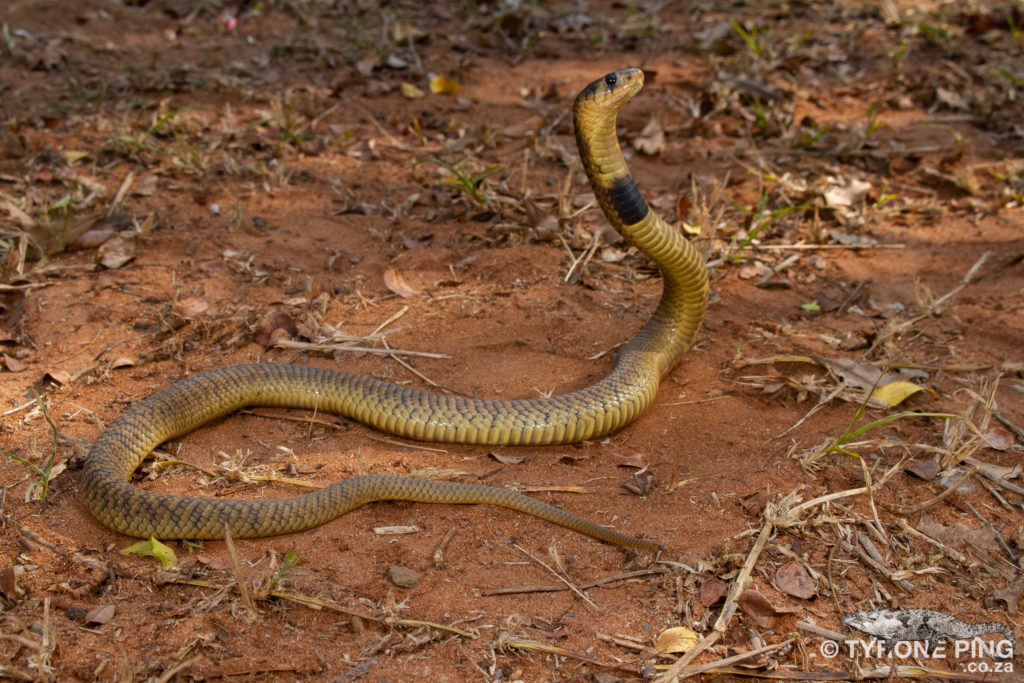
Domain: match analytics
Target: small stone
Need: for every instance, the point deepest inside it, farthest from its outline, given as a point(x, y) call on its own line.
point(76, 613)
point(403, 577)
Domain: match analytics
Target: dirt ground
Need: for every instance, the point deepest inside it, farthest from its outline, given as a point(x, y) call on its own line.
point(186, 185)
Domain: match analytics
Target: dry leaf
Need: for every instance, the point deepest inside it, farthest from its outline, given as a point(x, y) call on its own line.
point(440, 85)
point(116, 251)
point(612, 255)
point(8, 583)
point(636, 460)
point(394, 281)
point(507, 459)
point(713, 590)
point(424, 240)
point(1011, 596)
point(651, 140)
point(999, 438)
point(925, 469)
point(759, 609)
point(123, 362)
point(98, 233)
point(676, 640)
point(853, 192)
point(640, 484)
point(13, 364)
point(894, 393)
point(859, 375)
point(62, 377)
point(273, 328)
point(957, 535)
point(191, 307)
point(404, 31)
point(793, 579)
point(411, 92)
point(100, 615)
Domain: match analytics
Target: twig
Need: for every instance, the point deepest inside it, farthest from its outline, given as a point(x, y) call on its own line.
point(908, 510)
point(701, 668)
point(583, 586)
point(988, 525)
point(314, 346)
point(738, 586)
point(558, 576)
point(240, 579)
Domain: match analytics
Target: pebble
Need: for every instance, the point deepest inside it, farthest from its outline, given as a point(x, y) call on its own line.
point(403, 577)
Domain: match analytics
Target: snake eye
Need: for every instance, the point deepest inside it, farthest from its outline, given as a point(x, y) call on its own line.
point(610, 79)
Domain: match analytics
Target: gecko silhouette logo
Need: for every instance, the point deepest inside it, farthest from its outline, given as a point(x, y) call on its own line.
point(926, 632)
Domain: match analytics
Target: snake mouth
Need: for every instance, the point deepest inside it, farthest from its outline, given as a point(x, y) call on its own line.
point(613, 90)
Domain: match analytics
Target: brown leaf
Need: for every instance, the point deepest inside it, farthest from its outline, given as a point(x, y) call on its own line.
point(793, 579)
point(636, 460)
point(1011, 596)
point(757, 607)
point(640, 484)
point(100, 614)
point(13, 364)
point(394, 281)
point(1000, 438)
point(274, 327)
point(712, 591)
point(62, 377)
point(191, 307)
point(924, 469)
point(116, 252)
point(124, 362)
point(12, 308)
point(507, 459)
point(859, 375)
point(651, 140)
point(8, 583)
point(612, 255)
point(957, 535)
point(424, 240)
point(98, 233)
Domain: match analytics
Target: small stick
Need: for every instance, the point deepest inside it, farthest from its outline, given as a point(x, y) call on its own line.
point(313, 346)
point(819, 631)
point(988, 525)
point(908, 510)
point(558, 576)
point(240, 580)
point(816, 247)
point(439, 551)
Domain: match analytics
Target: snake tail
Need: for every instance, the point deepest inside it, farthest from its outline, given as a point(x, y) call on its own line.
point(587, 413)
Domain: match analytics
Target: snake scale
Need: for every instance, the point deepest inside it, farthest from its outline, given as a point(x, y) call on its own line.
point(588, 413)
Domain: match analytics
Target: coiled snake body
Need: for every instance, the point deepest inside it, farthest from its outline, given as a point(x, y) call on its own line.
point(587, 413)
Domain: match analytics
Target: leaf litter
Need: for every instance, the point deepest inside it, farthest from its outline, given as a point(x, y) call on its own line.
point(763, 141)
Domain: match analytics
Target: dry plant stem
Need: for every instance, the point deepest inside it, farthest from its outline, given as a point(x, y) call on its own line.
point(313, 346)
point(583, 586)
point(738, 586)
point(907, 510)
point(240, 579)
point(819, 631)
point(945, 549)
point(439, 551)
point(994, 474)
point(558, 576)
point(523, 644)
point(871, 499)
point(721, 663)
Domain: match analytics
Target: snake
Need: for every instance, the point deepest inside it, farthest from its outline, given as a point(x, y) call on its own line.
point(588, 413)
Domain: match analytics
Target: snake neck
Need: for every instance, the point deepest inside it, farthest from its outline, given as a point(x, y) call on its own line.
point(674, 324)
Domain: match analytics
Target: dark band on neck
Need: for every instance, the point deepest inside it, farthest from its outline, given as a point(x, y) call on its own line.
point(627, 201)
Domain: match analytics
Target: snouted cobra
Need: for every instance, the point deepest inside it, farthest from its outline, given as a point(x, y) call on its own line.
point(588, 413)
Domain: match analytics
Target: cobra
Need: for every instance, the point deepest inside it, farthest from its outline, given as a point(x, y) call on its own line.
point(588, 413)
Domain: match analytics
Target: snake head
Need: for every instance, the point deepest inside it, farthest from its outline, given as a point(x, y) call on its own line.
point(613, 90)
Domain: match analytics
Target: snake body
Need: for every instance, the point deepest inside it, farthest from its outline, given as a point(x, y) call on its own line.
point(587, 413)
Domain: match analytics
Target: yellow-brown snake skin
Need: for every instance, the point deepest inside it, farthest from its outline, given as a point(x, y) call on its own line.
point(587, 413)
